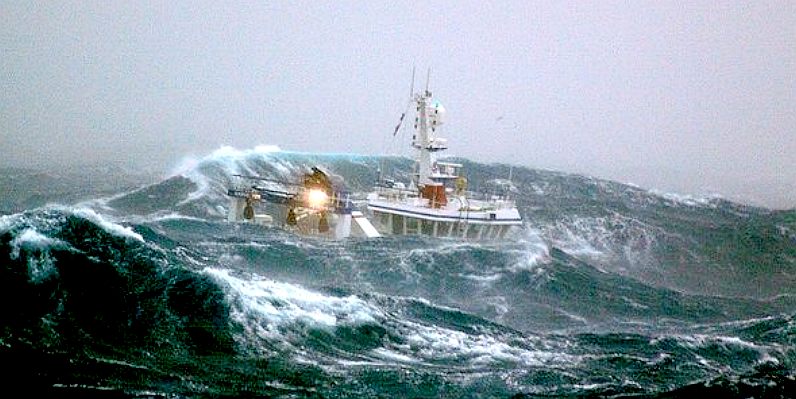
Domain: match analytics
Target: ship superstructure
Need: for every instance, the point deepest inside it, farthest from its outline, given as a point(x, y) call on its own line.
point(436, 201)
point(312, 207)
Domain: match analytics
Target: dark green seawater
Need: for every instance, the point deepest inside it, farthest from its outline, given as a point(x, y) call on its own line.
point(609, 291)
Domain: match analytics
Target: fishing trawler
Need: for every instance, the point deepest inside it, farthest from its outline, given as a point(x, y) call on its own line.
point(436, 201)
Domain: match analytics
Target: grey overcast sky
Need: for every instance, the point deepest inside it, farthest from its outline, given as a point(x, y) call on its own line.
point(694, 97)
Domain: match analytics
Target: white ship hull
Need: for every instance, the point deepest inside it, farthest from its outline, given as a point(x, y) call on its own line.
point(459, 219)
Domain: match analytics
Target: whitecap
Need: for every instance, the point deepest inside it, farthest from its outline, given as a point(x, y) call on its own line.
point(279, 304)
point(30, 239)
point(40, 265)
point(110, 227)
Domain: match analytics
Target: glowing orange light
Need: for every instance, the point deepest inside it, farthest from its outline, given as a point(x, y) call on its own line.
point(317, 198)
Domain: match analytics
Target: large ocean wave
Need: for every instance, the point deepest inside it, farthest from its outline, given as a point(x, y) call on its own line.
point(609, 290)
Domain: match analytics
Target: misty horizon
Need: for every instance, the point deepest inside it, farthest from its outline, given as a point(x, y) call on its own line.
point(777, 198)
point(694, 99)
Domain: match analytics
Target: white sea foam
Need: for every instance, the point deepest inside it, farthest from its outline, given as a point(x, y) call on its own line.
point(227, 156)
point(767, 358)
point(279, 304)
point(603, 240)
point(573, 316)
point(701, 340)
point(436, 344)
point(394, 356)
point(110, 227)
point(581, 237)
point(40, 266)
point(686, 199)
point(30, 239)
point(278, 312)
point(232, 161)
point(8, 221)
point(483, 279)
point(161, 217)
point(633, 303)
point(590, 387)
point(537, 252)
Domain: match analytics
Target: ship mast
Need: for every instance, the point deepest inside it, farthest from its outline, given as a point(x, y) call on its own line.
point(424, 141)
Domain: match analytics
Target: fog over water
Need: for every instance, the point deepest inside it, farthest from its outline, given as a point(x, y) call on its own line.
point(676, 96)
